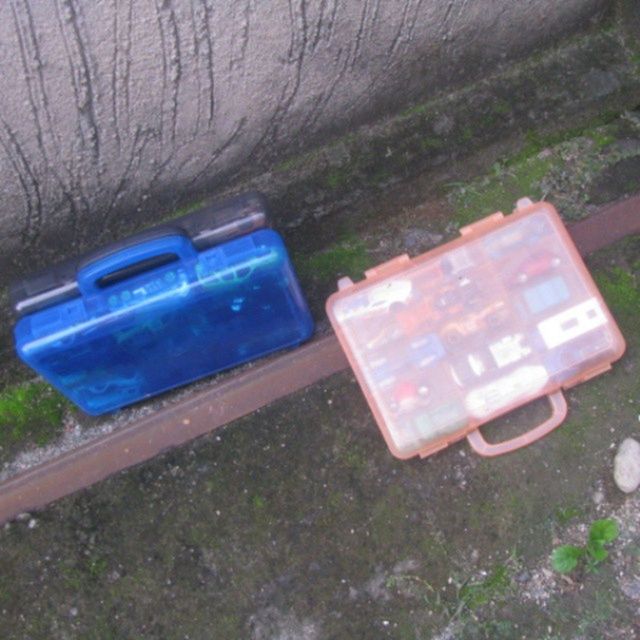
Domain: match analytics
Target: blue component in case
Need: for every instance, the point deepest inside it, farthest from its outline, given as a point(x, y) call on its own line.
point(192, 313)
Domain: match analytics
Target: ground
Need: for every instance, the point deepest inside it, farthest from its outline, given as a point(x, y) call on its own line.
point(296, 523)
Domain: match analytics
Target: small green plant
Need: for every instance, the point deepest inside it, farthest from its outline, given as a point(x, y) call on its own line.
point(565, 558)
point(476, 594)
point(565, 514)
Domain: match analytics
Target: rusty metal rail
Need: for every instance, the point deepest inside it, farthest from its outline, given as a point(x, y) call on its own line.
point(234, 397)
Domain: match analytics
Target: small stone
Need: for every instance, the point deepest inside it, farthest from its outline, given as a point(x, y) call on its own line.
point(631, 589)
point(626, 465)
point(443, 125)
point(598, 497)
point(33, 523)
point(417, 239)
point(73, 612)
point(113, 576)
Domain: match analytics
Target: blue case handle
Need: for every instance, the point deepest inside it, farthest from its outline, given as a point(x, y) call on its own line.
point(129, 253)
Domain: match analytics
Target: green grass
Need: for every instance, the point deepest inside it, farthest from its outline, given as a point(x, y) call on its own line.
point(495, 585)
point(30, 412)
point(97, 567)
point(258, 502)
point(564, 515)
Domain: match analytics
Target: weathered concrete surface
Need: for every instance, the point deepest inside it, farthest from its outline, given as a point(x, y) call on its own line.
point(629, 11)
point(113, 111)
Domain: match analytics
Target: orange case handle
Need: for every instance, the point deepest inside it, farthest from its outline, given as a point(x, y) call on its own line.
point(558, 414)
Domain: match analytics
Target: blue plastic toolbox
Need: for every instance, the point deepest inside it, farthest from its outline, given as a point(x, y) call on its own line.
point(162, 308)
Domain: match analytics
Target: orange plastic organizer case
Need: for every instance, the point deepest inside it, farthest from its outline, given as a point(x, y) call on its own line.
point(447, 341)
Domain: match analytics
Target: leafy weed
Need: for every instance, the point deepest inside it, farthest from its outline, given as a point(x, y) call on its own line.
point(566, 557)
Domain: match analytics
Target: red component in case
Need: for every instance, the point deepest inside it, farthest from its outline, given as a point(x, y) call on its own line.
point(449, 340)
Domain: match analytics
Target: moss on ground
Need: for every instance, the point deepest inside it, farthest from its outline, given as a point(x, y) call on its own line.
point(346, 258)
point(563, 167)
point(490, 589)
point(500, 190)
point(320, 270)
point(188, 207)
point(30, 412)
point(621, 290)
point(535, 141)
point(564, 515)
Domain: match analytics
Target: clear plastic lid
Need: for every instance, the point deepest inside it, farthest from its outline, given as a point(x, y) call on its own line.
point(453, 338)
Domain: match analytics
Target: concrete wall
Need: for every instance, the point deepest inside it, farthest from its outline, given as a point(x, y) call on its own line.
point(113, 111)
